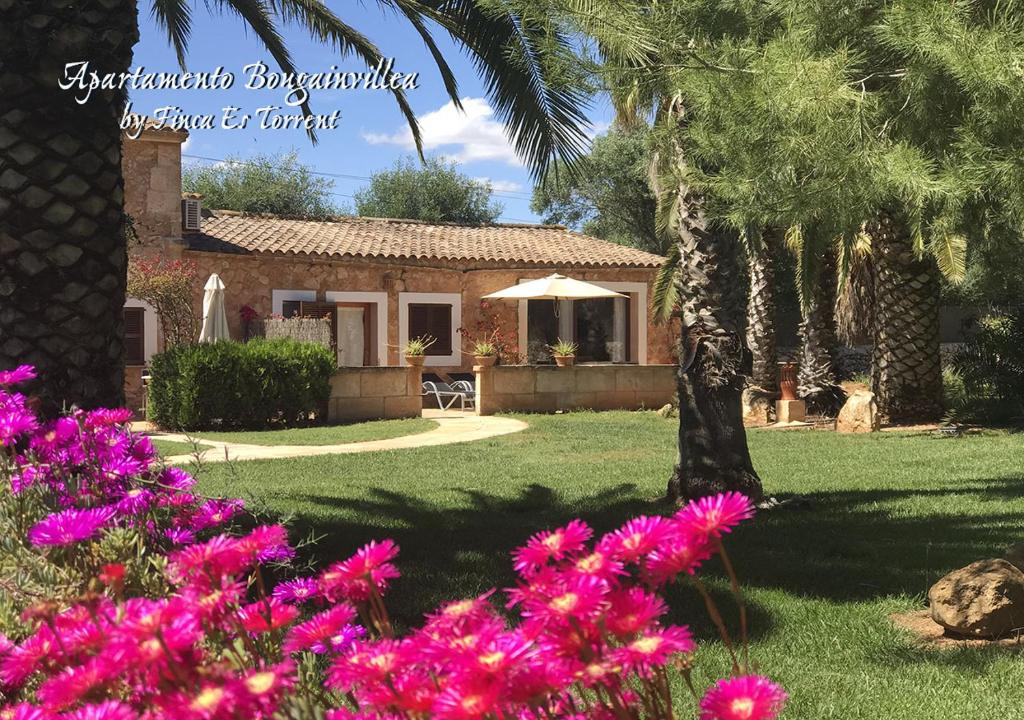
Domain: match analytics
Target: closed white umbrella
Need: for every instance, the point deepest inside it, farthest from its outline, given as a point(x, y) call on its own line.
point(554, 287)
point(215, 317)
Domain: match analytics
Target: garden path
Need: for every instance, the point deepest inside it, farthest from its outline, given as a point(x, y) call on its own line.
point(451, 428)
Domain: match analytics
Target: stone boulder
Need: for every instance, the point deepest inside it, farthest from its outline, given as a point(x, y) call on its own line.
point(859, 414)
point(1015, 555)
point(984, 599)
point(757, 408)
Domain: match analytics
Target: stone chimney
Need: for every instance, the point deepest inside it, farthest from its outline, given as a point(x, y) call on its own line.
point(151, 166)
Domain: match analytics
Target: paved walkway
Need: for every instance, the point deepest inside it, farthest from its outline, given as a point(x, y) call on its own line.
point(451, 428)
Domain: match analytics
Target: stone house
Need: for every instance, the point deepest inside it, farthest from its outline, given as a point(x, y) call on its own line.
point(384, 281)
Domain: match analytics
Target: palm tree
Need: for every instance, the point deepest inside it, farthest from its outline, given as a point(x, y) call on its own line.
point(62, 225)
point(906, 369)
point(817, 384)
point(764, 376)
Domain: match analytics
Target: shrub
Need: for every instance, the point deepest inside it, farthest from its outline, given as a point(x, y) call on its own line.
point(991, 370)
point(240, 385)
point(590, 638)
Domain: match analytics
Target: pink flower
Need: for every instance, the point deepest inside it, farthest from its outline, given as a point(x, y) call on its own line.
point(749, 697)
point(266, 615)
point(654, 648)
point(632, 610)
point(582, 597)
point(713, 516)
point(266, 543)
point(551, 545)
point(636, 538)
point(354, 579)
point(69, 526)
point(324, 632)
point(18, 375)
point(298, 590)
point(683, 552)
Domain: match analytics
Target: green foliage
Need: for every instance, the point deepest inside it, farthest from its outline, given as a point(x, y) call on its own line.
point(991, 371)
point(563, 348)
point(418, 346)
point(240, 385)
point(610, 197)
point(272, 184)
point(434, 191)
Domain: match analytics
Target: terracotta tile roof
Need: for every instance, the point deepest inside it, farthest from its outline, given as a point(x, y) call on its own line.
point(409, 239)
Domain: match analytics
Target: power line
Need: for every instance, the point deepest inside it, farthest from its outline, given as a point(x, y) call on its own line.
point(507, 194)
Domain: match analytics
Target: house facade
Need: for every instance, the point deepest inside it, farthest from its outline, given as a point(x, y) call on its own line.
point(382, 282)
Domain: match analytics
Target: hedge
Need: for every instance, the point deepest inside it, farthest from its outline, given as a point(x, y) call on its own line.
point(245, 386)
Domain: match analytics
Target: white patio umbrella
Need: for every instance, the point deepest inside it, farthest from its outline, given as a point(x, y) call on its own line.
point(554, 287)
point(215, 317)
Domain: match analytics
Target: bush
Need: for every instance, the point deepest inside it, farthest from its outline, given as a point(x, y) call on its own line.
point(240, 385)
point(991, 369)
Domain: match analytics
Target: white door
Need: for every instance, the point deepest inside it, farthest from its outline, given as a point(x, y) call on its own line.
point(350, 336)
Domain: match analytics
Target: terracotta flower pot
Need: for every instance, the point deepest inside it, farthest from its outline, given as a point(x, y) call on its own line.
point(787, 380)
point(565, 360)
point(415, 360)
point(485, 360)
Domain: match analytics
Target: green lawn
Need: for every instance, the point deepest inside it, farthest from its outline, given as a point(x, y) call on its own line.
point(167, 448)
point(323, 434)
point(889, 514)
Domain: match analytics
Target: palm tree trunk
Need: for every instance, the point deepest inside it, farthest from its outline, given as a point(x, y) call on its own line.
point(906, 370)
point(817, 384)
point(62, 242)
point(713, 455)
point(761, 314)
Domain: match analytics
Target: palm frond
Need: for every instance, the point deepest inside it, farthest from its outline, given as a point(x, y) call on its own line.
point(664, 294)
point(950, 251)
point(515, 56)
point(175, 17)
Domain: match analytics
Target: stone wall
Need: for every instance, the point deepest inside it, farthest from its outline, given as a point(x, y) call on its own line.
point(582, 387)
point(251, 280)
point(134, 392)
point(375, 393)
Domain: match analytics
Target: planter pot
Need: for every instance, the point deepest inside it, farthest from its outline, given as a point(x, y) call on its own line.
point(565, 360)
point(787, 380)
point(485, 360)
point(415, 360)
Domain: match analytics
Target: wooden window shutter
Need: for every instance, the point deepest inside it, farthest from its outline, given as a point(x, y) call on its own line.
point(134, 336)
point(291, 308)
point(434, 320)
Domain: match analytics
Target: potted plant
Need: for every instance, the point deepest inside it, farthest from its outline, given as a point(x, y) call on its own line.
point(485, 353)
point(564, 352)
point(416, 350)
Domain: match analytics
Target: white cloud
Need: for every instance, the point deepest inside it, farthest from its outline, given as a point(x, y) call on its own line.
point(185, 145)
point(500, 185)
point(467, 136)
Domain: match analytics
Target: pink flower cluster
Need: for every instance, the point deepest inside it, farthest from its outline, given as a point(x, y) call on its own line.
point(591, 640)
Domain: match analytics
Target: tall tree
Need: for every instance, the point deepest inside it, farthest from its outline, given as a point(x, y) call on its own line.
point(764, 375)
point(62, 240)
point(817, 380)
point(276, 184)
point(610, 197)
point(435, 191)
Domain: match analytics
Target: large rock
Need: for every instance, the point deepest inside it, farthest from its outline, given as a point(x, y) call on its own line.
point(1015, 555)
point(757, 408)
point(859, 414)
point(984, 599)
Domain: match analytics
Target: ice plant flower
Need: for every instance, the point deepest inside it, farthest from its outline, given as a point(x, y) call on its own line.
point(298, 590)
point(265, 615)
point(329, 631)
point(654, 648)
point(355, 579)
point(69, 526)
point(636, 538)
point(715, 515)
point(551, 545)
point(748, 697)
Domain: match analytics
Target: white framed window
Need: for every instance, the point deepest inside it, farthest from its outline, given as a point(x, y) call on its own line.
point(435, 314)
point(279, 297)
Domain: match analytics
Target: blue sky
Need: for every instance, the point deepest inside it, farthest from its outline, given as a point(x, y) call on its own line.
point(371, 133)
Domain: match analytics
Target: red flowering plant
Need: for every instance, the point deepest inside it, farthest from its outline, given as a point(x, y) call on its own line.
point(170, 287)
point(490, 329)
point(588, 637)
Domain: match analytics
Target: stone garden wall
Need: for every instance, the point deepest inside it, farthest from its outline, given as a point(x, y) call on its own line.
point(375, 393)
point(529, 388)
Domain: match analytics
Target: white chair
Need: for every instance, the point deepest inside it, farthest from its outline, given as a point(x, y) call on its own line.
point(445, 394)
